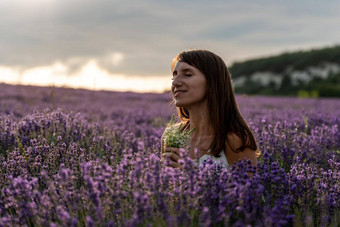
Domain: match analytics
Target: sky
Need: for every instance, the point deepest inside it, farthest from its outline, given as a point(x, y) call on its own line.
point(128, 45)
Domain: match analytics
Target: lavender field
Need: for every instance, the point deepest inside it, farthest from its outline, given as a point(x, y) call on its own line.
point(85, 158)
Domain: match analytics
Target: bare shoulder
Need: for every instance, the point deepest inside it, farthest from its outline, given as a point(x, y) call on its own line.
point(232, 144)
point(234, 141)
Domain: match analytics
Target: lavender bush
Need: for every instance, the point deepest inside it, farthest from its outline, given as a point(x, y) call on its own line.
point(83, 158)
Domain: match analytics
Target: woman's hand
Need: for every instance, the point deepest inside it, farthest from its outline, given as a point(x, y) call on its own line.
point(171, 156)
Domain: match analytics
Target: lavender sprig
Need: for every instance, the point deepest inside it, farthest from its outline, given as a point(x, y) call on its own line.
point(174, 137)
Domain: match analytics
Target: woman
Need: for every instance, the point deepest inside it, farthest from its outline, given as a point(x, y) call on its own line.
point(205, 100)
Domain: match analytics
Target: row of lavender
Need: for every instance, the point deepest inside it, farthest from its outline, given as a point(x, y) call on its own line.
point(95, 161)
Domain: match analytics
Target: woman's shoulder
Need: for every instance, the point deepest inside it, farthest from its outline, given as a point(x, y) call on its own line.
point(234, 143)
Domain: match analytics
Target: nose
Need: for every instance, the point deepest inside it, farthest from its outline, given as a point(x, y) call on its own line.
point(176, 81)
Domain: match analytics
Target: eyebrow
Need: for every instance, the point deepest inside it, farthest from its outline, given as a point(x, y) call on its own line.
point(183, 70)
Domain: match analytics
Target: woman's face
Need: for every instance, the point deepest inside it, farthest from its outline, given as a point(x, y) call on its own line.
point(189, 85)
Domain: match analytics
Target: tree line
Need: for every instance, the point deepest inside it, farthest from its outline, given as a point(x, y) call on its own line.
point(285, 63)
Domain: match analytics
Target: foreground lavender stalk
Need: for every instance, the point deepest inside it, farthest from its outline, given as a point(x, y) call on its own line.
point(98, 164)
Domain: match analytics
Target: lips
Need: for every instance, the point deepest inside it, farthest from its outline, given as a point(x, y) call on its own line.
point(178, 92)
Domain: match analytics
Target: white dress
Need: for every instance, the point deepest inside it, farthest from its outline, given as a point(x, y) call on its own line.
point(223, 159)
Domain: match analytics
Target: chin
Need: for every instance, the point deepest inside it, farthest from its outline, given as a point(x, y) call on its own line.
point(179, 104)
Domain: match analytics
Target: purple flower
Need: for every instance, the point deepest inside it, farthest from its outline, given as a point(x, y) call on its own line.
point(96, 162)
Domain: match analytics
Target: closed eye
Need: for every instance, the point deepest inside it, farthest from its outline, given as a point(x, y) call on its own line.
point(175, 75)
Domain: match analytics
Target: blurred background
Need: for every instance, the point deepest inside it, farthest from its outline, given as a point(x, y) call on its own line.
point(271, 47)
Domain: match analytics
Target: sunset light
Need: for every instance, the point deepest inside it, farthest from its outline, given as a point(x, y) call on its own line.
point(90, 76)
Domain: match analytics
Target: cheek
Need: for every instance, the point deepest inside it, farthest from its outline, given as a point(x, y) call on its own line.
point(204, 91)
point(204, 94)
point(202, 87)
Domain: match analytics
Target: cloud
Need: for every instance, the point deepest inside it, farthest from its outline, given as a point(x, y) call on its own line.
point(141, 37)
point(115, 58)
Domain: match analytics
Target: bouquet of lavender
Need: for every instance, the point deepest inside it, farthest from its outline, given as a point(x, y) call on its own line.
point(174, 137)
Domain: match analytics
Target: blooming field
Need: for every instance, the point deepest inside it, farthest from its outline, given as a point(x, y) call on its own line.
point(83, 158)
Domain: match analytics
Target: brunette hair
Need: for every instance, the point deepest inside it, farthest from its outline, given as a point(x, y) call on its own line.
point(224, 113)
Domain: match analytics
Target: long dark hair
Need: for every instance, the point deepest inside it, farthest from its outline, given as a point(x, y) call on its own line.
point(224, 113)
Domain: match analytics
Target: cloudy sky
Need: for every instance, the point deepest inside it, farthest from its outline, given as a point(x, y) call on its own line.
point(129, 44)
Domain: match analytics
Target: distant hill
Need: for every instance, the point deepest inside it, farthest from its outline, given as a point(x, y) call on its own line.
point(314, 72)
